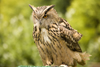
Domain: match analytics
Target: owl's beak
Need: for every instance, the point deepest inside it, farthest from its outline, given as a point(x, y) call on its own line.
point(40, 22)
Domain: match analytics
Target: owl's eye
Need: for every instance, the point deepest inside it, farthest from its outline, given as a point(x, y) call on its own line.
point(45, 16)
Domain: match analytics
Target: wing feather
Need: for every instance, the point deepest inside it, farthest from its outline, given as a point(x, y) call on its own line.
point(70, 35)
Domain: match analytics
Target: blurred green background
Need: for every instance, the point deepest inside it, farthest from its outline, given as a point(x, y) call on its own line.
point(16, 26)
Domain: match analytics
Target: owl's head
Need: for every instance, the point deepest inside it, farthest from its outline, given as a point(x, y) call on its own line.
point(44, 16)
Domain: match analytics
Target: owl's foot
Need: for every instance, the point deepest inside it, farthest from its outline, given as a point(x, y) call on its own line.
point(62, 65)
point(48, 63)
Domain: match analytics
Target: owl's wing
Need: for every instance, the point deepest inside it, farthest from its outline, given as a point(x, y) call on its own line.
point(70, 35)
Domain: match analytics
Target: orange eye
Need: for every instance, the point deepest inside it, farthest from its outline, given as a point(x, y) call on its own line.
point(45, 16)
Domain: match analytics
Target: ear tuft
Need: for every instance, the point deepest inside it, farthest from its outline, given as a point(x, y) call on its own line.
point(32, 7)
point(48, 8)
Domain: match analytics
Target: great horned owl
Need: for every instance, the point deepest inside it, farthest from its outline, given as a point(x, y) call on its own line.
point(56, 40)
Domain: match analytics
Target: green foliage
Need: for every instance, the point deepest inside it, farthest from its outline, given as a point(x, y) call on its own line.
point(85, 17)
point(60, 5)
point(16, 41)
point(16, 27)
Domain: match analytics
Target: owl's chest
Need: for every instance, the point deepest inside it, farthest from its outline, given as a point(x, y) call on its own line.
point(45, 35)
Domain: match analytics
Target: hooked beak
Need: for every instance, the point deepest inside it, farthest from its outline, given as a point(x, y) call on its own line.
point(40, 22)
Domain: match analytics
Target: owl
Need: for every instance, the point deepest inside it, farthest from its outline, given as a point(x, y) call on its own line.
point(56, 40)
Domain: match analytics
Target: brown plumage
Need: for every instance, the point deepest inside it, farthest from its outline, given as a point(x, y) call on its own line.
point(56, 40)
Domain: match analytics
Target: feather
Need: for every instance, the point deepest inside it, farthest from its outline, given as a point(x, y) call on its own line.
point(70, 35)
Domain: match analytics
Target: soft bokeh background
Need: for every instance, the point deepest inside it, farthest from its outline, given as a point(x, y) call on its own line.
point(16, 42)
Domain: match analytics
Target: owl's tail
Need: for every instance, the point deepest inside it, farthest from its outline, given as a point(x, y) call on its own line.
point(81, 57)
